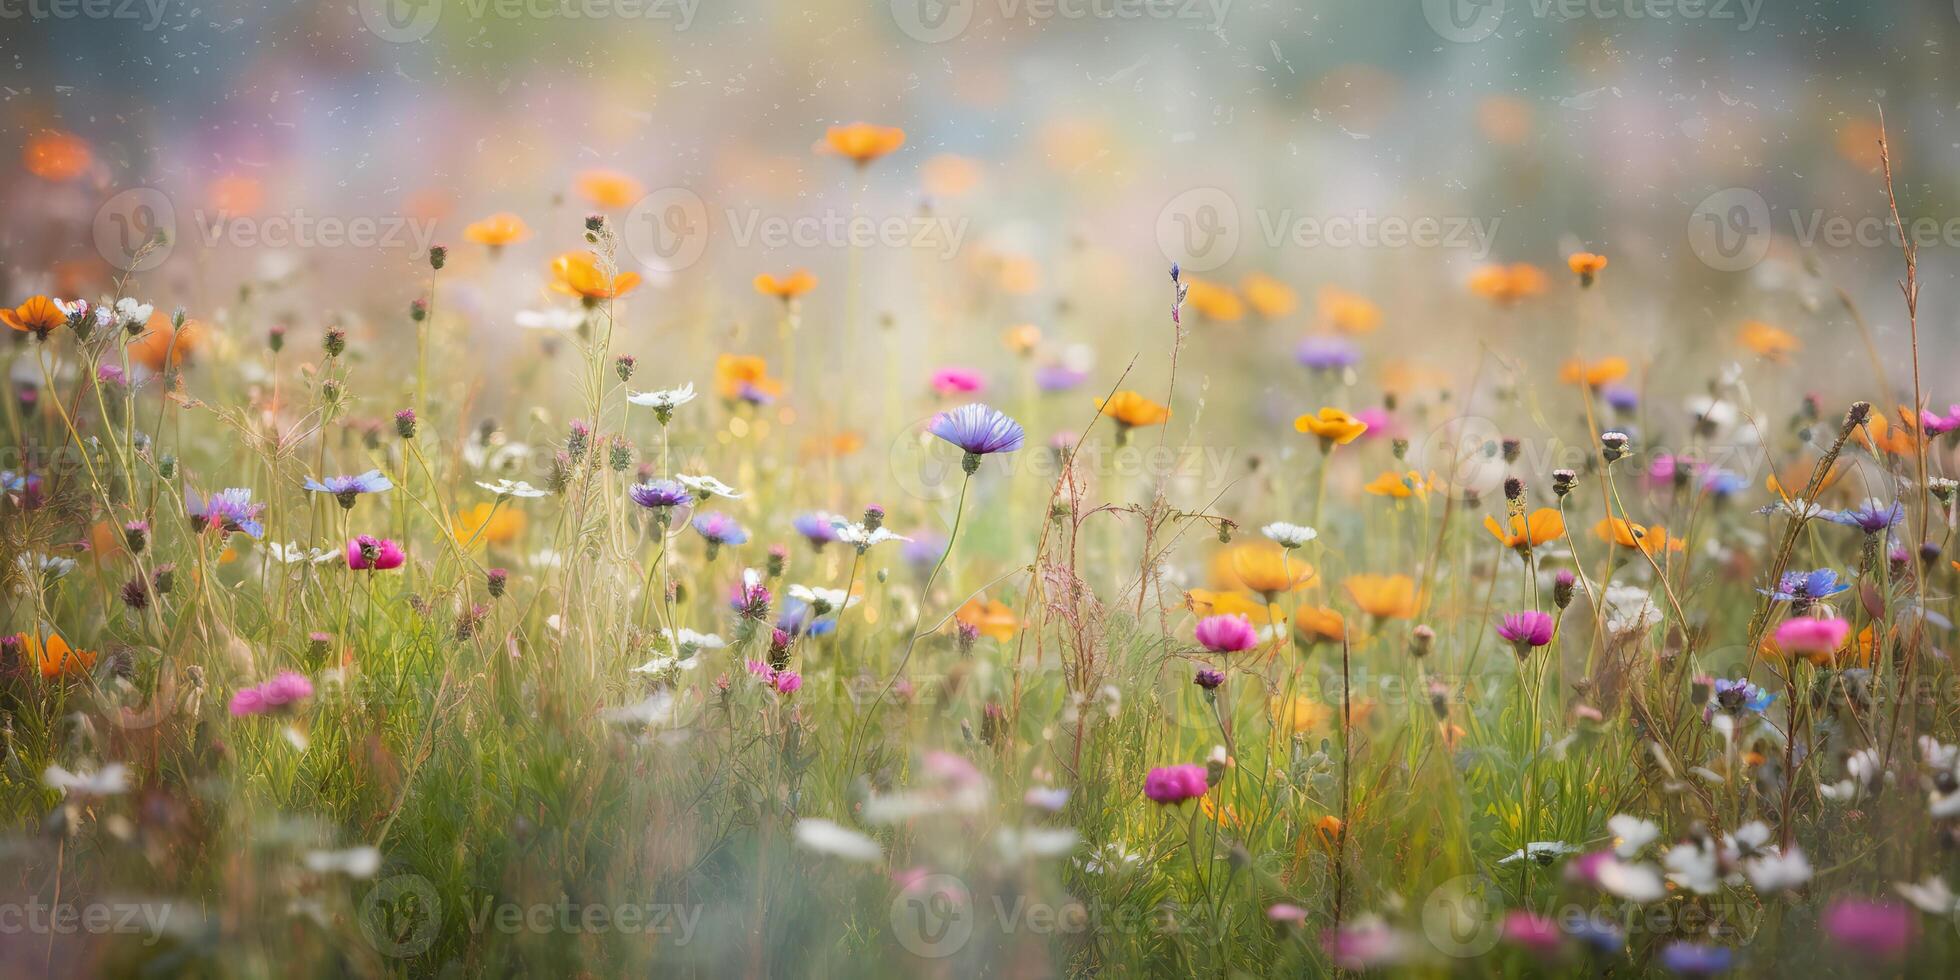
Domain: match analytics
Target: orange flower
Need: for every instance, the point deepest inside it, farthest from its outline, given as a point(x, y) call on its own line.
point(1301, 714)
point(1213, 301)
point(738, 375)
point(1350, 313)
point(608, 188)
point(578, 274)
point(1899, 440)
point(1267, 296)
point(1777, 345)
point(949, 175)
point(1315, 623)
point(38, 316)
point(1794, 479)
point(1627, 534)
point(1230, 817)
point(1593, 374)
point(1328, 830)
point(991, 617)
point(838, 446)
point(863, 142)
point(1400, 485)
point(486, 523)
point(1526, 533)
point(163, 345)
point(56, 156)
point(788, 287)
point(1383, 596)
point(1333, 426)
point(1131, 410)
point(54, 657)
point(1506, 284)
point(1205, 602)
point(236, 194)
point(1019, 275)
point(1586, 266)
point(1022, 338)
point(1263, 567)
point(497, 230)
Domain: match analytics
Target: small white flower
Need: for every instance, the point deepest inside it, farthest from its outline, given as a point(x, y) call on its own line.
point(662, 664)
point(665, 400)
point(690, 641)
point(705, 486)
point(862, 538)
point(827, 837)
point(1110, 857)
point(1017, 843)
point(1630, 834)
point(1541, 851)
point(1289, 535)
point(1748, 840)
point(1046, 798)
point(291, 553)
point(556, 318)
point(1930, 896)
point(1693, 866)
point(824, 600)
point(129, 311)
point(107, 781)
point(355, 862)
point(49, 566)
point(655, 710)
point(513, 488)
point(1778, 872)
point(1638, 883)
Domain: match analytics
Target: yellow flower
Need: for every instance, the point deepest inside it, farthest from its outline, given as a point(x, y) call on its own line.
point(497, 230)
point(991, 617)
point(737, 375)
point(1213, 301)
point(1267, 296)
point(1316, 623)
point(1586, 266)
point(1205, 602)
point(486, 523)
point(949, 175)
point(1400, 485)
point(1383, 596)
point(788, 287)
point(1022, 338)
point(1350, 313)
point(863, 142)
point(1777, 345)
point(1506, 284)
point(1131, 410)
point(608, 188)
point(1593, 374)
point(1301, 714)
point(578, 274)
point(1627, 534)
point(1333, 426)
point(1544, 524)
point(1263, 567)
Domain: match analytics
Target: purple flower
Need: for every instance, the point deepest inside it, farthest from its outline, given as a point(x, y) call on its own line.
point(749, 597)
point(369, 553)
point(787, 681)
point(1226, 634)
point(347, 489)
point(660, 494)
point(817, 527)
point(1735, 697)
point(1871, 517)
point(1869, 928)
point(1695, 960)
point(282, 693)
point(978, 430)
point(1801, 587)
point(1526, 629)
point(1621, 397)
point(232, 510)
point(1324, 353)
point(718, 529)
point(1175, 784)
point(1209, 679)
point(1058, 377)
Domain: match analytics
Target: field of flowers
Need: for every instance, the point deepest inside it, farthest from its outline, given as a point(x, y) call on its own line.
point(700, 621)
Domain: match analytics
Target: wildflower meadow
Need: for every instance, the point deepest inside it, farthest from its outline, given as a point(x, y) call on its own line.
point(551, 503)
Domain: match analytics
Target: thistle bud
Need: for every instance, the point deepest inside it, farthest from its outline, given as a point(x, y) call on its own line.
point(778, 560)
point(1613, 445)
point(335, 343)
point(438, 256)
point(1511, 449)
point(136, 536)
point(874, 517)
point(405, 423)
point(1422, 640)
point(1563, 481)
point(1562, 586)
point(418, 309)
point(497, 581)
point(623, 364)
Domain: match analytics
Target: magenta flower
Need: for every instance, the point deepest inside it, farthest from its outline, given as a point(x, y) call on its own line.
point(1868, 928)
point(957, 381)
point(1811, 636)
point(1226, 634)
point(1175, 784)
point(280, 694)
point(369, 553)
point(1531, 931)
point(788, 681)
point(1526, 630)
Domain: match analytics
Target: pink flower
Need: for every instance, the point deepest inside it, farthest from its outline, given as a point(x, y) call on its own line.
point(1286, 912)
point(1226, 634)
point(1526, 629)
point(1810, 635)
point(957, 381)
point(1531, 931)
point(369, 553)
point(1380, 423)
point(248, 701)
point(1175, 784)
point(282, 693)
point(1871, 928)
point(788, 681)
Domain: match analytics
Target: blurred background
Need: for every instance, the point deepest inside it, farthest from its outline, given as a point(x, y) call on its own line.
point(1058, 155)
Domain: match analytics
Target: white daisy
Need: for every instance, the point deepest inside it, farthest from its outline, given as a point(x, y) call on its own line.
point(129, 311)
point(1931, 896)
point(665, 400)
point(1289, 535)
point(355, 862)
point(107, 781)
point(1777, 871)
point(690, 642)
point(513, 488)
point(291, 553)
point(1630, 834)
point(827, 837)
point(1636, 882)
point(705, 486)
point(823, 600)
point(855, 534)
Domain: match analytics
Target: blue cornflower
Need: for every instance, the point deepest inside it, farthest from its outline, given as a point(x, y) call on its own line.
point(660, 494)
point(1691, 959)
point(718, 529)
point(232, 510)
point(978, 430)
point(817, 527)
point(1871, 517)
point(1324, 353)
point(1805, 586)
point(1722, 483)
point(347, 489)
point(1736, 698)
point(799, 619)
